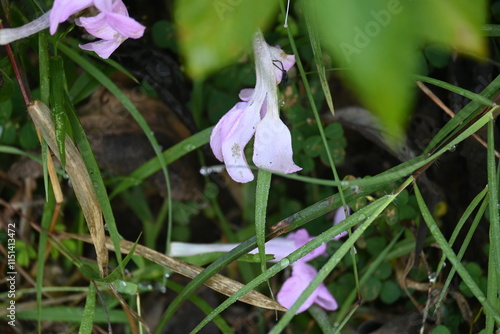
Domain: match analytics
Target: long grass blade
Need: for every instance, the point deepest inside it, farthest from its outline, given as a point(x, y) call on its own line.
point(452, 257)
point(494, 208)
point(88, 312)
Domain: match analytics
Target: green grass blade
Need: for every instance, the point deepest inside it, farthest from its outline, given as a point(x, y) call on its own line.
point(321, 318)
point(347, 245)
point(463, 248)
point(491, 30)
point(73, 315)
point(494, 206)
point(14, 150)
point(467, 112)
point(115, 90)
point(452, 88)
point(95, 176)
point(465, 216)
point(204, 306)
point(106, 82)
point(57, 104)
point(454, 260)
point(291, 223)
point(261, 198)
point(403, 169)
point(88, 312)
point(175, 152)
point(318, 57)
point(48, 209)
point(372, 210)
point(342, 313)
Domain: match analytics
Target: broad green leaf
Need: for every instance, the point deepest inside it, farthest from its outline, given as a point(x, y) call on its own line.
point(379, 41)
point(212, 34)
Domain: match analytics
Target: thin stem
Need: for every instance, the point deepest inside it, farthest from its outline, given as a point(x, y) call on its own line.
point(17, 72)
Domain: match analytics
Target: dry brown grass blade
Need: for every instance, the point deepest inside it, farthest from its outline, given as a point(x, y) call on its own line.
point(218, 282)
point(80, 180)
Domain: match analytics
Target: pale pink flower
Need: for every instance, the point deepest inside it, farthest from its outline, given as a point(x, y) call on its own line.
point(112, 25)
point(257, 114)
point(302, 275)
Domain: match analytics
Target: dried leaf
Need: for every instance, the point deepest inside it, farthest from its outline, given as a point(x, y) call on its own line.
point(218, 282)
point(80, 179)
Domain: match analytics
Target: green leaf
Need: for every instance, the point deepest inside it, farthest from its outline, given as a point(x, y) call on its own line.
point(212, 34)
point(28, 138)
point(390, 292)
point(379, 41)
point(5, 111)
point(88, 312)
point(313, 146)
point(57, 102)
point(7, 134)
point(334, 131)
point(383, 271)
point(375, 245)
point(371, 289)
point(6, 86)
point(441, 330)
point(72, 314)
point(163, 33)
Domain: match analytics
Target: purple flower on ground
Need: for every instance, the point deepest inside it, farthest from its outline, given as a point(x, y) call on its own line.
point(112, 25)
point(63, 9)
point(302, 275)
point(257, 114)
point(302, 272)
point(339, 217)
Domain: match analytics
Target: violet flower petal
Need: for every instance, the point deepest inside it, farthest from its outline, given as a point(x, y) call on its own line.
point(279, 247)
point(273, 146)
point(62, 9)
point(107, 24)
point(339, 217)
point(104, 48)
point(300, 238)
point(105, 5)
point(325, 299)
point(233, 145)
point(302, 275)
point(223, 127)
point(97, 26)
point(125, 25)
point(246, 94)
